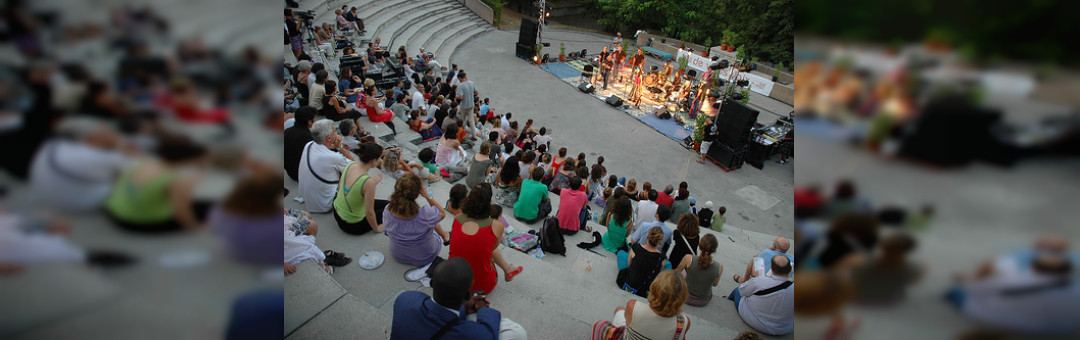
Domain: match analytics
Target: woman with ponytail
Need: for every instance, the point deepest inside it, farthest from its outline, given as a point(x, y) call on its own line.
point(702, 272)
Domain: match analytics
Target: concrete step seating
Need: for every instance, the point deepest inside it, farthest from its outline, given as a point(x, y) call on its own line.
point(422, 23)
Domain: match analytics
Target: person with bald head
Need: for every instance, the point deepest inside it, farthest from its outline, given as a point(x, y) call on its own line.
point(1042, 300)
point(452, 312)
point(756, 267)
point(1019, 261)
point(766, 302)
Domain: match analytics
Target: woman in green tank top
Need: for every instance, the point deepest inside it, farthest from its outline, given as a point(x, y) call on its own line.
point(355, 207)
point(622, 217)
point(152, 195)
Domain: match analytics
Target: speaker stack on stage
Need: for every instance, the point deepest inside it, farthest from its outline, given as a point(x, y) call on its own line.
point(735, 122)
point(526, 45)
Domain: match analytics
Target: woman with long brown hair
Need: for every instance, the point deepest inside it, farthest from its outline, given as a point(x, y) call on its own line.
point(702, 272)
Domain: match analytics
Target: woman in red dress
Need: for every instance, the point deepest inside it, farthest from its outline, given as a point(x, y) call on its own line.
point(475, 236)
point(368, 102)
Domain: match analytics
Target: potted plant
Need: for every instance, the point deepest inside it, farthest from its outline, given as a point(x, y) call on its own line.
point(753, 63)
point(699, 130)
point(776, 72)
point(538, 55)
point(708, 44)
point(745, 92)
point(562, 52)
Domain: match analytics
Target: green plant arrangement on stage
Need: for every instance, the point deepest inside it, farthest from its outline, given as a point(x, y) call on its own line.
point(699, 128)
point(745, 92)
point(776, 72)
point(683, 62)
point(562, 51)
point(538, 55)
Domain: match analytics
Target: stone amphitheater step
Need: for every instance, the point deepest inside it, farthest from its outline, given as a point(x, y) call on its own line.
point(403, 23)
point(414, 26)
point(446, 50)
point(422, 39)
point(372, 10)
point(438, 38)
point(314, 300)
point(390, 15)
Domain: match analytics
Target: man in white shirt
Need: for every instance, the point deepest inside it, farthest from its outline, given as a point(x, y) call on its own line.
point(321, 165)
point(418, 100)
point(646, 210)
point(1040, 301)
point(766, 302)
point(76, 173)
point(505, 121)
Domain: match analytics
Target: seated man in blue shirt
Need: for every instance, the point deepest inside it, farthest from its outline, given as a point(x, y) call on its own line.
point(756, 267)
point(453, 312)
point(641, 235)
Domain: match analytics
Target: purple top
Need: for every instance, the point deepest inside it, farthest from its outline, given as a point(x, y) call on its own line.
point(250, 239)
point(413, 241)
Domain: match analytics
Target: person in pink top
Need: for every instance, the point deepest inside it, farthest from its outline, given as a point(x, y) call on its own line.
point(571, 204)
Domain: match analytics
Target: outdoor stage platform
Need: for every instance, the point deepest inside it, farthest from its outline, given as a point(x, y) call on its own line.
point(570, 73)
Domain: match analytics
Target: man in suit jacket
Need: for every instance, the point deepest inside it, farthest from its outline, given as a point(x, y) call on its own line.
point(462, 314)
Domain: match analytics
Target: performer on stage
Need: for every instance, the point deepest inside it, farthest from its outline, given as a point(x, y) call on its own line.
point(639, 61)
point(618, 57)
point(604, 55)
point(667, 72)
point(605, 65)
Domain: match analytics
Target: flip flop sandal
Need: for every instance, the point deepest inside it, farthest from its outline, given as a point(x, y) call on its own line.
point(510, 276)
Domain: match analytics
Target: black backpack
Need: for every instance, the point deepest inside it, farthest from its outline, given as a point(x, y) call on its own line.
point(551, 238)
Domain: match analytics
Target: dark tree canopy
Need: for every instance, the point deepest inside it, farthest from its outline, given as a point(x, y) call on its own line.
point(984, 30)
point(764, 27)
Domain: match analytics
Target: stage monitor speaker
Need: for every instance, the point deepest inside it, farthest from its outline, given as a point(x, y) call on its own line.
point(586, 87)
point(614, 101)
point(525, 51)
point(731, 158)
point(588, 69)
point(691, 73)
point(527, 35)
point(583, 53)
point(662, 113)
point(723, 64)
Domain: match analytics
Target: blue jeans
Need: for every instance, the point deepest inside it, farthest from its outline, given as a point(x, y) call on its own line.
point(956, 297)
point(735, 296)
point(622, 257)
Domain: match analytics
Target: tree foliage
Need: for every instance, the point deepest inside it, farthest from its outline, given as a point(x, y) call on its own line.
point(765, 27)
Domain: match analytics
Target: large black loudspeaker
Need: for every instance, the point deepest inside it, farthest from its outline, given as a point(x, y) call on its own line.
point(614, 101)
point(735, 121)
point(527, 35)
point(525, 51)
point(730, 158)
